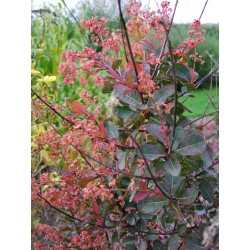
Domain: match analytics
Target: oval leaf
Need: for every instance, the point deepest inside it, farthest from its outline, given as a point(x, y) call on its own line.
point(159, 132)
point(151, 151)
point(141, 224)
point(152, 204)
point(206, 190)
point(112, 130)
point(78, 108)
point(162, 94)
point(189, 195)
point(158, 245)
point(172, 166)
point(128, 95)
point(192, 144)
point(178, 137)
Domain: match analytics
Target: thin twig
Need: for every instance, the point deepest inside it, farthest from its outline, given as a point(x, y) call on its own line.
point(208, 168)
point(203, 10)
point(210, 120)
point(200, 118)
point(59, 210)
point(127, 38)
point(64, 118)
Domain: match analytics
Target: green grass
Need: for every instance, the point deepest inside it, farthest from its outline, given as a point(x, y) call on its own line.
point(200, 103)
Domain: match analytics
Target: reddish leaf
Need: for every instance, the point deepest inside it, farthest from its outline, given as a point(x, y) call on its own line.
point(103, 133)
point(140, 196)
point(85, 180)
point(112, 142)
point(138, 66)
point(95, 207)
point(78, 108)
point(103, 170)
point(143, 185)
point(127, 209)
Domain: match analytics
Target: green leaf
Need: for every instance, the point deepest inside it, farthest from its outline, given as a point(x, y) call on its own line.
point(151, 151)
point(129, 240)
point(174, 205)
point(168, 119)
point(121, 156)
point(178, 137)
point(157, 245)
point(206, 190)
point(189, 195)
point(112, 130)
point(172, 166)
point(159, 132)
point(141, 224)
point(107, 87)
point(194, 163)
point(116, 64)
point(152, 204)
point(129, 116)
point(131, 219)
point(162, 94)
point(114, 237)
point(192, 144)
point(182, 121)
point(192, 246)
point(154, 119)
point(190, 87)
point(183, 107)
point(207, 156)
point(172, 184)
point(152, 236)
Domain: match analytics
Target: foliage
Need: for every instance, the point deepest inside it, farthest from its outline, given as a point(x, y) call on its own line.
point(141, 178)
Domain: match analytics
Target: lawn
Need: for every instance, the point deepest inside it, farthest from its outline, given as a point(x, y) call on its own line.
point(200, 103)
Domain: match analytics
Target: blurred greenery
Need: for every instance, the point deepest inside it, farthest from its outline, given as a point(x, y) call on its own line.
point(200, 103)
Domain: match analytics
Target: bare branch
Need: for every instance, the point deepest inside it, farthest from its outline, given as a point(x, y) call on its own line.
point(127, 38)
point(203, 9)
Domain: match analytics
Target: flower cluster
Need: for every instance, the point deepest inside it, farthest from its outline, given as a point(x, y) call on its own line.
point(195, 38)
point(146, 84)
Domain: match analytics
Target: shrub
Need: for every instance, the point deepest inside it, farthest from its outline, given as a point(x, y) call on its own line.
point(142, 178)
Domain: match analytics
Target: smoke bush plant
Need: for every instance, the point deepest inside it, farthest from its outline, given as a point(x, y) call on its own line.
point(142, 178)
